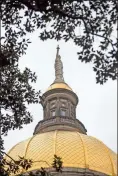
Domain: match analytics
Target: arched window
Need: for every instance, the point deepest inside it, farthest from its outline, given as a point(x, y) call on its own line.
point(62, 112)
point(53, 113)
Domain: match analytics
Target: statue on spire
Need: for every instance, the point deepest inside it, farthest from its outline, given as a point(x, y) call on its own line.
point(57, 51)
point(58, 67)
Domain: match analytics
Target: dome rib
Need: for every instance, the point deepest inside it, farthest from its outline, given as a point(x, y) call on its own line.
point(85, 151)
point(112, 165)
point(55, 139)
point(28, 146)
point(89, 152)
point(27, 149)
point(12, 149)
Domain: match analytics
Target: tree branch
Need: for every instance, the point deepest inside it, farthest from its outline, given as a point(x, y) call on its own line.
point(98, 35)
point(8, 156)
point(52, 9)
point(28, 4)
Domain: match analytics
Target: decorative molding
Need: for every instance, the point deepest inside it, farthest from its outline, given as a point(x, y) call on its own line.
point(60, 123)
point(70, 171)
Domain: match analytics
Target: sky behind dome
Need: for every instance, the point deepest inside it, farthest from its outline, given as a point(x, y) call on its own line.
point(97, 107)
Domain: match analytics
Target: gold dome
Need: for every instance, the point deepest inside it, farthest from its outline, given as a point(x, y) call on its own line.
point(75, 149)
point(59, 86)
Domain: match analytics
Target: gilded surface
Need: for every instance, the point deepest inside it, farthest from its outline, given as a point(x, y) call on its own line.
point(58, 86)
point(76, 150)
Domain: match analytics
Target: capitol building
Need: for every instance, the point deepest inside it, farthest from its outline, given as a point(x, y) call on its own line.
point(61, 133)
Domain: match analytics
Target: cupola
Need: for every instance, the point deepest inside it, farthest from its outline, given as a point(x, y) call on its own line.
point(59, 104)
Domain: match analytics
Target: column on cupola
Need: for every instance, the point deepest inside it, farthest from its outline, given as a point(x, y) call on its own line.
point(57, 107)
point(47, 110)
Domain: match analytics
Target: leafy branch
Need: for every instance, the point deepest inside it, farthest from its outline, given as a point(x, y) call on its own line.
point(12, 166)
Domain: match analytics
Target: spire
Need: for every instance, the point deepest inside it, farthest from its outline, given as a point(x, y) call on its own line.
point(57, 51)
point(58, 67)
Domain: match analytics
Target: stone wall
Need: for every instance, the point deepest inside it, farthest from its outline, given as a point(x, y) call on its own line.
point(75, 172)
point(60, 123)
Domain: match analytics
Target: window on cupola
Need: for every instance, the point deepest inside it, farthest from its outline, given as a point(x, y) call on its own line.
point(53, 113)
point(63, 112)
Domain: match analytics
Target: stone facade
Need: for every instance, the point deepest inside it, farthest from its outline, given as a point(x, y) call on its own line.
point(60, 123)
point(59, 102)
point(74, 172)
point(77, 172)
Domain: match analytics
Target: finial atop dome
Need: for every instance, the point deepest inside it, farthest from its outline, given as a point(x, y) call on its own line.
point(58, 67)
point(57, 51)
